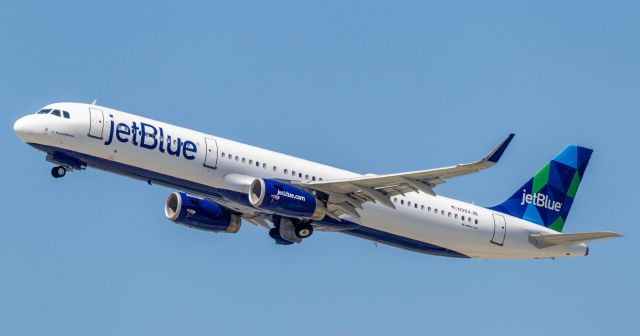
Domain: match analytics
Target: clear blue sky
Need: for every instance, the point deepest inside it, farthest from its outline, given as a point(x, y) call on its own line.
point(365, 85)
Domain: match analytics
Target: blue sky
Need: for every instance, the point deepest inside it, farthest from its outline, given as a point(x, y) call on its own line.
point(367, 86)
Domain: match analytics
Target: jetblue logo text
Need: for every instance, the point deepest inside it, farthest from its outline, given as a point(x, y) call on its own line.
point(149, 137)
point(290, 195)
point(541, 201)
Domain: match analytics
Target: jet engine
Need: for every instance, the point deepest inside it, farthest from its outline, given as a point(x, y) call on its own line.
point(200, 214)
point(285, 199)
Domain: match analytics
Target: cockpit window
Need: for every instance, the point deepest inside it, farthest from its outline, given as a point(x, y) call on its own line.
point(57, 113)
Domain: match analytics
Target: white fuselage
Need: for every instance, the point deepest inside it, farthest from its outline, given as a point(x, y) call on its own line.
point(197, 162)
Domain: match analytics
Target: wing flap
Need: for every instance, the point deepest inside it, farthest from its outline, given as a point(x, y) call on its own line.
point(257, 221)
point(379, 188)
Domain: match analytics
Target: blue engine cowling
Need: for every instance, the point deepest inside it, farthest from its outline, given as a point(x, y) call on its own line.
point(200, 214)
point(285, 199)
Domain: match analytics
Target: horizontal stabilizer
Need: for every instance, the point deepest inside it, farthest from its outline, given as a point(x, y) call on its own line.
point(546, 240)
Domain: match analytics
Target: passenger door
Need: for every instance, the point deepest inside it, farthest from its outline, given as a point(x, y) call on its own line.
point(211, 154)
point(499, 229)
point(96, 123)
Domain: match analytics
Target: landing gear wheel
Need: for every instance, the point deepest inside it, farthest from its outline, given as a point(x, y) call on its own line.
point(275, 234)
point(58, 171)
point(304, 230)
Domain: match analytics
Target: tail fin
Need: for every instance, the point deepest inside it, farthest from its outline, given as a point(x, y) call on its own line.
point(547, 197)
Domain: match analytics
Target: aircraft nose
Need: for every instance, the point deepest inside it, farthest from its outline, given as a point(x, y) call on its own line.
point(22, 128)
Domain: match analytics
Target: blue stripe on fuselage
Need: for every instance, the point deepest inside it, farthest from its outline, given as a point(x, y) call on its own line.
point(242, 199)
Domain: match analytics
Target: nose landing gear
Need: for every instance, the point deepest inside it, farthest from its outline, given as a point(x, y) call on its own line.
point(58, 172)
point(64, 163)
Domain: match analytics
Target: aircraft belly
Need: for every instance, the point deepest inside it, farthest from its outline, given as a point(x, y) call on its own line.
point(418, 226)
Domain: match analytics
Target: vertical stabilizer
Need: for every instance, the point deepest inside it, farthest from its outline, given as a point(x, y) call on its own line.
point(547, 197)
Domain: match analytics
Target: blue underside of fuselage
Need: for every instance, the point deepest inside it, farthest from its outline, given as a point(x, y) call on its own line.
point(240, 198)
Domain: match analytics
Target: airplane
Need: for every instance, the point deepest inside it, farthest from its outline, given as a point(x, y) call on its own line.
point(221, 182)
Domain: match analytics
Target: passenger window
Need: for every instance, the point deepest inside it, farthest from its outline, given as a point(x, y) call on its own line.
point(66, 114)
point(56, 113)
point(449, 214)
point(415, 205)
point(429, 209)
point(237, 158)
point(293, 173)
point(44, 111)
point(313, 178)
point(476, 221)
point(223, 155)
point(300, 175)
point(462, 218)
point(286, 171)
point(402, 202)
point(456, 216)
point(250, 162)
point(442, 212)
point(320, 179)
point(470, 220)
point(306, 177)
point(409, 203)
point(244, 160)
point(395, 200)
point(230, 157)
point(435, 211)
point(275, 168)
point(257, 164)
point(264, 166)
point(422, 207)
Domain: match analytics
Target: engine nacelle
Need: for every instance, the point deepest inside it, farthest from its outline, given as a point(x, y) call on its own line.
point(285, 199)
point(200, 214)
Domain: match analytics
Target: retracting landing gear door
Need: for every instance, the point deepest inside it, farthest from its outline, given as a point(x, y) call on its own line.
point(96, 124)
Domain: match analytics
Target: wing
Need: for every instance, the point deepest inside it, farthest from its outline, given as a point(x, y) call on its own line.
point(545, 240)
point(346, 195)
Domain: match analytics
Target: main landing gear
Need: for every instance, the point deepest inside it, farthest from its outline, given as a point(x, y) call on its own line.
point(288, 231)
point(58, 172)
point(303, 230)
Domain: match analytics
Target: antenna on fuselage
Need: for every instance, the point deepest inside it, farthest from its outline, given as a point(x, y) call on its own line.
point(94, 101)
